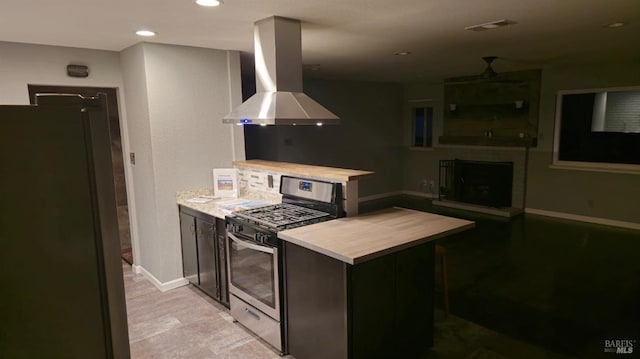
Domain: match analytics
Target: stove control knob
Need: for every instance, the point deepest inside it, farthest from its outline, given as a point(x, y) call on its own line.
point(262, 237)
point(236, 228)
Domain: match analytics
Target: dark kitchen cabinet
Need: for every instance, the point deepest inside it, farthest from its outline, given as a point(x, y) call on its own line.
point(207, 258)
point(189, 247)
point(381, 308)
point(222, 260)
point(204, 253)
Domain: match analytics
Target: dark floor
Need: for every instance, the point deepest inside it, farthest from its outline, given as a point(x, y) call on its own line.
point(562, 285)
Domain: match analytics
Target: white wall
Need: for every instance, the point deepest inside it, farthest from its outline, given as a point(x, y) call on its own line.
point(181, 94)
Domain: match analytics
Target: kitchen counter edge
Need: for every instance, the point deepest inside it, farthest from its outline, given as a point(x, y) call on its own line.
point(212, 208)
point(321, 172)
point(375, 223)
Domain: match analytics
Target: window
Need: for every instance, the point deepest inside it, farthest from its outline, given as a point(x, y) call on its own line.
point(598, 128)
point(422, 121)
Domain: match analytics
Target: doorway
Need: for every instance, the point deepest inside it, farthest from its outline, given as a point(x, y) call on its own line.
point(116, 154)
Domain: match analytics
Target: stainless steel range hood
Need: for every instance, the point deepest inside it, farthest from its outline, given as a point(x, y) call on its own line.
point(279, 99)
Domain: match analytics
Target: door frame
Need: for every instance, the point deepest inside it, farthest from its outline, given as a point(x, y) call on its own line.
point(113, 107)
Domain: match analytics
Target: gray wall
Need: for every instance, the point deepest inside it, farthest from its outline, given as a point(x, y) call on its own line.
point(375, 135)
point(178, 96)
point(594, 194)
point(177, 99)
point(368, 138)
point(422, 164)
point(23, 64)
point(139, 129)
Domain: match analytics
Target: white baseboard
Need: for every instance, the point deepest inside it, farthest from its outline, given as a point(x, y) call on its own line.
point(136, 269)
point(577, 217)
point(501, 212)
point(420, 194)
point(163, 287)
point(542, 212)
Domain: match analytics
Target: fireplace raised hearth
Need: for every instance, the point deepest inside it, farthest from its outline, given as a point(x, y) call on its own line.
point(482, 183)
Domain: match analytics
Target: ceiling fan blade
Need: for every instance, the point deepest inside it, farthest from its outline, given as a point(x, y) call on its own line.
point(488, 73)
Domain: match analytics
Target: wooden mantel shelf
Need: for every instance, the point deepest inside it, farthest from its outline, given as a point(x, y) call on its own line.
point(488, 141)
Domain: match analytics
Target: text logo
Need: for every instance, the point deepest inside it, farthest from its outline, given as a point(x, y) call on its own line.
point(619, 346)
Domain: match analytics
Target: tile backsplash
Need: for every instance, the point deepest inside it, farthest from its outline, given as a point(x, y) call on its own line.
point(252, 182)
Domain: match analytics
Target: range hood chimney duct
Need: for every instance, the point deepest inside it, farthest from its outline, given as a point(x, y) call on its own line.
point(279, 99)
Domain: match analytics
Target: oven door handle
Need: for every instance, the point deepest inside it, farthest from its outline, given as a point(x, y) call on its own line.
point(250, 245)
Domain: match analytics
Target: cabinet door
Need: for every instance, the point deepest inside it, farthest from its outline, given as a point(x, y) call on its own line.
point(207, 260)
point(189, 248)
point(222, 261)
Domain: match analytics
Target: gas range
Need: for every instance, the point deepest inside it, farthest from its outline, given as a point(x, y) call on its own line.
point(282, 216)
point(304, 202)
point(255, 255)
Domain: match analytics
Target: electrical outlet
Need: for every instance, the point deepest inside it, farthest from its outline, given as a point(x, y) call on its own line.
point(132, 158)
point(424, 185)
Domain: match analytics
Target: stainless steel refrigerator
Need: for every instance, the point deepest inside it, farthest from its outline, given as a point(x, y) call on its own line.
point(61, 285)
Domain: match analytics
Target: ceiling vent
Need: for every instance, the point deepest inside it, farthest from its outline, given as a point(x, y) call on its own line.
point(490, 25)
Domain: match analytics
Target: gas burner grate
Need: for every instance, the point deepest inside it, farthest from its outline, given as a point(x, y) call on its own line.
point(281, 215)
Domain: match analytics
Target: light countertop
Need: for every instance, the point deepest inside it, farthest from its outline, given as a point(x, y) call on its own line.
point(222, 206)
point(357, 239)
point(330, 173)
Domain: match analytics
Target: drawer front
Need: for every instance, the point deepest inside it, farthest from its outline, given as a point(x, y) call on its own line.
point(259, 323)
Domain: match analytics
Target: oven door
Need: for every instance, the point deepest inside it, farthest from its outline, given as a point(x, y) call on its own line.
point(253, 274)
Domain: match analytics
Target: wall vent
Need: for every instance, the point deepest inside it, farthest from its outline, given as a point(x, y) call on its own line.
point(490, 25)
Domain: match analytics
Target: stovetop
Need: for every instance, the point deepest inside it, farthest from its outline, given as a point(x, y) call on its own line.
point(282, 216)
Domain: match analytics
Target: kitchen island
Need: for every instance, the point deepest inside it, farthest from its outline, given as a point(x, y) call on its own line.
point(362, 287)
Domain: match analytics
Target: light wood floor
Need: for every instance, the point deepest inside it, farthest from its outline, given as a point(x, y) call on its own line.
point(184, 323)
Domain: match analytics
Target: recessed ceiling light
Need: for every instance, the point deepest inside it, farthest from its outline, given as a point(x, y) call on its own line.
point(145, 33)
point(209, 2)
point(613, 25)
point(403, 53)
point(490, 25)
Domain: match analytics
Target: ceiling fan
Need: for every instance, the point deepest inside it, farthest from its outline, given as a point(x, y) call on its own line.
point(488, 75)
point(489, 72)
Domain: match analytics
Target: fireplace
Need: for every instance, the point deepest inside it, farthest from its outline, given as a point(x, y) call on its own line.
point(482, 183)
